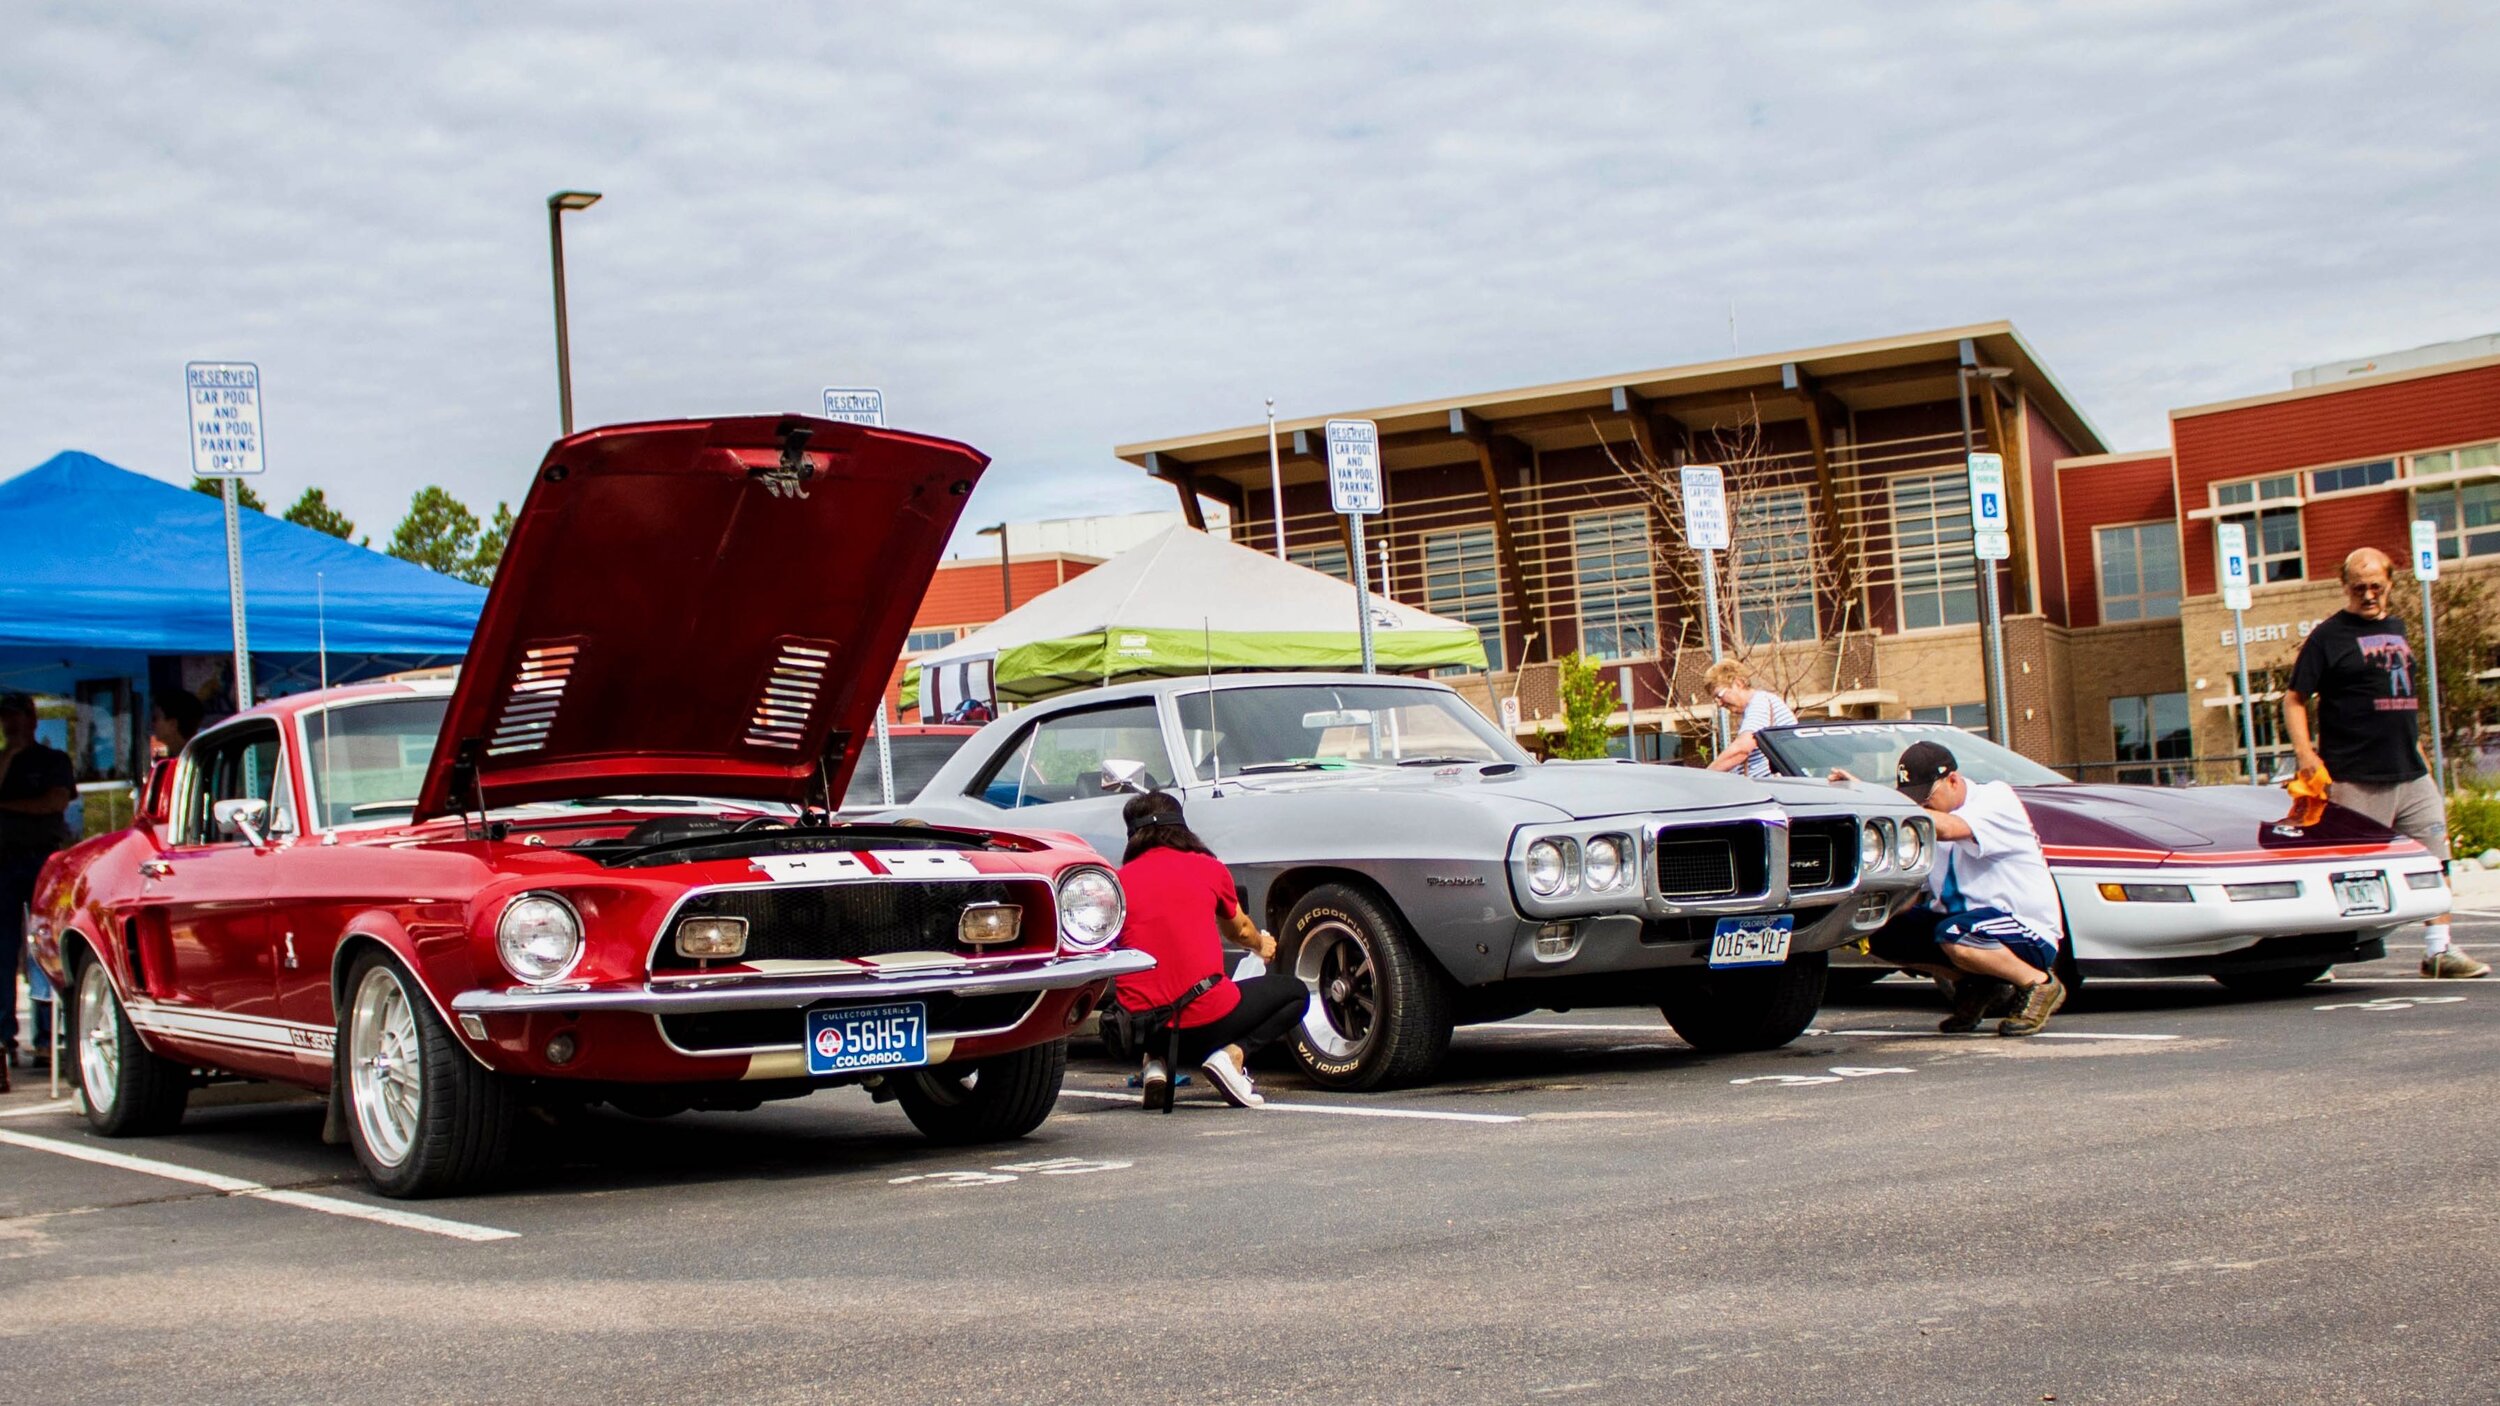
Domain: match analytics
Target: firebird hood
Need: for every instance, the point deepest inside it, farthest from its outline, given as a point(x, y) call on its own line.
point(1567, 790)
point(703, 606)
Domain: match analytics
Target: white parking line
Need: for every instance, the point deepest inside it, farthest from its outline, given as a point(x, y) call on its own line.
point(237, 1186)
point(1273, 1105)
point(57, 1106)
point(2043, 1035)
point(1566, 1025)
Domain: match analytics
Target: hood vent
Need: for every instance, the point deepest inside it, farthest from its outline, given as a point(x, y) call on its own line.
point(789, 695)
point(529, 710)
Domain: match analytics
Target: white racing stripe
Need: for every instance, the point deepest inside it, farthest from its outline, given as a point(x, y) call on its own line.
point(237, 1186)
point(1273, 1105)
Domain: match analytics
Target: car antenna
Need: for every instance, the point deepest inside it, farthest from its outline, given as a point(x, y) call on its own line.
point(1215, 736)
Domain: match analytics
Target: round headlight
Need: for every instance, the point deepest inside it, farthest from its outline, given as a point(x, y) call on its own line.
point(1910, 847)
point(1602, 861)
point(1091, 908)
point(1546, 876)
point(540, 937)
point(1874, 846)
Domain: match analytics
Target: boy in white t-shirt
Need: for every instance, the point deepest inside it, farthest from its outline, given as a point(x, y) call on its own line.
point(1991, 926)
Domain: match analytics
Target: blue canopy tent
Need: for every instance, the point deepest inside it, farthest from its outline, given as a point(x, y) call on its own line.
point(105, 568)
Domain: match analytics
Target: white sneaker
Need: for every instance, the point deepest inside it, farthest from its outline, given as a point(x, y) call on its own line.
point(1230, 1081)
point(1156, 1081)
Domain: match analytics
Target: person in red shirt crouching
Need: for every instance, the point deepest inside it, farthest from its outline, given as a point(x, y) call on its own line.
point(1181, 905)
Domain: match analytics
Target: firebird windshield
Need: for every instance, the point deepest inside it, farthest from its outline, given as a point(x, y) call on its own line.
point(1330, 727)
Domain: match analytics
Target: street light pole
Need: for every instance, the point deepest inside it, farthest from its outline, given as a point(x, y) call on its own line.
point(557, 204)
point(1006, 579)
point(1991, 627)
point(1276, 482)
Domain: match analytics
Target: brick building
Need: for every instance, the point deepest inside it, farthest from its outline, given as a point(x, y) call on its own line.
point(968, 593)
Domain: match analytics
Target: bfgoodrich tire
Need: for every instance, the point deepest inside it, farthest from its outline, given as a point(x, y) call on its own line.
point(425, 1118)
point(998, 1099)
point(2281, 981)
point(1750, 1008)
point(130, 1092)
point(1381, 1012)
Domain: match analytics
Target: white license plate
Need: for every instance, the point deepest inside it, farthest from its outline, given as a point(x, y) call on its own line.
point(849, 1039)
point(1751, 942)
point(2360, 893)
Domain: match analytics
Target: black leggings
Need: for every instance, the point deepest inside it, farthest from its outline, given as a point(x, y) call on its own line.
point(1270, 1006)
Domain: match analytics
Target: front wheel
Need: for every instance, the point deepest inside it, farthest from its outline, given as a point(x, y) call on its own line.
point(1748, 1008)
point(2279, 981)
point(425, 1118)
point(130, 1092)
point(998, 1099)
point(1383, 1012)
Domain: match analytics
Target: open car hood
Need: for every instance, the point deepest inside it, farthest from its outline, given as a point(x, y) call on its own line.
point(706, 607)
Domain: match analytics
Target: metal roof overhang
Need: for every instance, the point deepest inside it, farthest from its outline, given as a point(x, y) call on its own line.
point(1906, 370)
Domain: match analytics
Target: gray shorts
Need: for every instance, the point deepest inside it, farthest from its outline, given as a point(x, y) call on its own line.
point(2414, 809)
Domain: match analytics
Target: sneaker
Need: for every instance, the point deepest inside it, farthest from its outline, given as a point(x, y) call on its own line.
point(1973, 997)
point(2039, 1003)
point(1230, 1082)
point(2453, 963)
point(1157, 1082)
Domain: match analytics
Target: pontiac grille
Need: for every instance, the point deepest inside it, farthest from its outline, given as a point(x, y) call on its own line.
point(835, 922)
point(1822, 854)
point(1701, 862)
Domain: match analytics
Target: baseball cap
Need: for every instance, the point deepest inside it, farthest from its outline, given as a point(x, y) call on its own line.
point(16, 702)
point(1921, 766)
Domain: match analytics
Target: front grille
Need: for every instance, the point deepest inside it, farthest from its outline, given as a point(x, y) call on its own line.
point(1713, 861)
point(753, 1030)
point(835, 922)
point(1822, 854)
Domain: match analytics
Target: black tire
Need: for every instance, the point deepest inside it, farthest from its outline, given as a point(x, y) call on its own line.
point(2278, 981)
point(1750, 1008)
point(2068, 974)
point(1381, 1013)
point(998, 1099)
point(460, 1122)
point(1853, 981)
point(130, 1091)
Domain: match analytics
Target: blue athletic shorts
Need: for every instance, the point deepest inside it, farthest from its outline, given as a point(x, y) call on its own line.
point(1918, 937)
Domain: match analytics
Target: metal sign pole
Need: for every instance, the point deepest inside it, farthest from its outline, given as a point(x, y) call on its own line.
point(1362, 593)
point(1275, 480)
point(234, 600)
point(2248, 705)
point(885, 757)
point(2426, 568)
point(1710, 617)
point(2231, 556)
point(1355, 491)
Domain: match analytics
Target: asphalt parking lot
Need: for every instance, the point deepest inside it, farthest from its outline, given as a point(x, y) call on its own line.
point(2183, 1196)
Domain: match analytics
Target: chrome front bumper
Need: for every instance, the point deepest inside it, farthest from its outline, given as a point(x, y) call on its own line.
point(755, 991)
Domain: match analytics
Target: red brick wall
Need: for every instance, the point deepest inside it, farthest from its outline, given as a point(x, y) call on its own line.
point(965, 590)
point(2348, 424)
point(2136, 489)
point(2042, 448)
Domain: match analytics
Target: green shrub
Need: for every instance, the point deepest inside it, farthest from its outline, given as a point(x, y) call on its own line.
point(2473, 821)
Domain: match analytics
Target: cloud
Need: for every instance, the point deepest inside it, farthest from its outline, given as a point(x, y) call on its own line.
point(1048, 229)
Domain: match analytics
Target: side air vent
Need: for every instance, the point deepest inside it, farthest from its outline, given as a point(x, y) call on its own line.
point(529, 710)
point(788, 698)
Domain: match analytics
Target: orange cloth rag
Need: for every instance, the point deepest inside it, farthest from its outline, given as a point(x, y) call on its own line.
point(2308, 790)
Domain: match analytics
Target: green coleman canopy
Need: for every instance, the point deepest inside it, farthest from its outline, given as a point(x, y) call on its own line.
point(1180, 603)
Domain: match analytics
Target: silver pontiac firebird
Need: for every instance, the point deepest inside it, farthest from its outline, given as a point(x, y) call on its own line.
point(1421, 872)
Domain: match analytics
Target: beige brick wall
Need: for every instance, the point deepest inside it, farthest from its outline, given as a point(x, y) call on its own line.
point(2135, 659)
point(1930, 668)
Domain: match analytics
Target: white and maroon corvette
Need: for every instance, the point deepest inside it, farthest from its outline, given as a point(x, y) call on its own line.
point(2176, 881)
point(603, 866)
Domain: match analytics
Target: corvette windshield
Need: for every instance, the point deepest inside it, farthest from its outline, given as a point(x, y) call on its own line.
point(1868, 752)
point(1330, 727)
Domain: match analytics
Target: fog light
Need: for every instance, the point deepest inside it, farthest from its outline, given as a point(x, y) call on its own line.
point(2426, 879)
point(712, 937)
point(1555, 942)
point(2250, 893)
point(987, 924)
point(473, 1026)
point(561, 1047)
point(2146, 893)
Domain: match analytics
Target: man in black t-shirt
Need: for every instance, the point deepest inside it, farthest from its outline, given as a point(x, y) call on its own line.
point(37, 784)
point(2358, 667)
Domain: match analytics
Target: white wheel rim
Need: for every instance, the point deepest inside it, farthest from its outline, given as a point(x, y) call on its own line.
point(385, 1066)
point(99, 1039)
point(1350, 978)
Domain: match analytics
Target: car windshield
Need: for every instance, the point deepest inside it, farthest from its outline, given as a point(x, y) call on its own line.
point(1328, 727)
point(916, 759)
point(367, 759)
point(1868, 751)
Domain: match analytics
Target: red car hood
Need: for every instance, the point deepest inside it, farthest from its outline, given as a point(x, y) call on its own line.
point(702, 606)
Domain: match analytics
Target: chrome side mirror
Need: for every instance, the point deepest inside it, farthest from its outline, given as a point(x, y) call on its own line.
point(1121, 774)
point(241, 817)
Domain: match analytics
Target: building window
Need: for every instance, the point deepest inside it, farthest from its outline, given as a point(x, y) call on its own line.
point(2273, 533)
point(1463, 581)
point(1969, 717)
point(922, 641)
point(1931, 551)
point(1774, 567)
point(2152, 728)
point(1328, 560)
point(1611, 567)
point(2274, 751)
point(2368, 475)
point(2468, 516)
point(2139, 571)
point(2447, 461)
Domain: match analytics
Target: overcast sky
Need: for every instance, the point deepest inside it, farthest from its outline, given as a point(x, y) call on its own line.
point(1050, 228)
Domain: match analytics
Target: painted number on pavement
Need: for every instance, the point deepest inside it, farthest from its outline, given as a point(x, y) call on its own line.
point(2391, 1003)
point(1006, 1172)
point(1803, 1081)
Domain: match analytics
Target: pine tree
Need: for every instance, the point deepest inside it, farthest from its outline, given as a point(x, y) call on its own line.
point(439, 534)
point(313, 510)
point(244, 497)
point(490, 547)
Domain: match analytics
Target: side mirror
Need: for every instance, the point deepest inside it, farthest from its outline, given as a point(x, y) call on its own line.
point(156, 801)
point(1121, 774)
point(241, 817)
